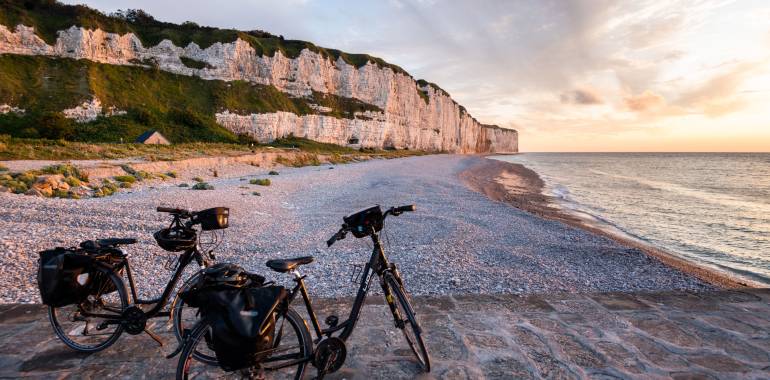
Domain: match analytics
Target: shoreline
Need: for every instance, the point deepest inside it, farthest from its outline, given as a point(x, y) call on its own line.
point(522, 188)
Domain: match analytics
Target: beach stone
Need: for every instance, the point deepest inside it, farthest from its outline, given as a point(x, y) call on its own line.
point(40, 192)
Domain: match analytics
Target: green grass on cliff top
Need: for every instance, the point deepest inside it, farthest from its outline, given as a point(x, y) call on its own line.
point(48, 17)
point(181, 107)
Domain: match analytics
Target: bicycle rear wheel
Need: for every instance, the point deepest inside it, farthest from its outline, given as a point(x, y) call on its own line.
point(406, 321)
point(75, 324)
point(185, 317)
point(292, 343)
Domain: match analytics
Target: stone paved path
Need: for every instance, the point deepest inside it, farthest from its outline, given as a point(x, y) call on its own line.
point(723, 335)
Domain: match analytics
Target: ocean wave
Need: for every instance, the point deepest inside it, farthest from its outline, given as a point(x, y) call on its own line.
point(712, 197)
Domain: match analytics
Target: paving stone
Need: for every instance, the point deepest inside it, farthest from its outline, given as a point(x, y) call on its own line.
point(579, 353)
point(12, 314)
point(489, 342)
point(505, 368)
point(619, 301)
point(694, 375)
point(527, 305)
point(618, 356)
point(654, 352)
point(719, 363)
point(657, 326)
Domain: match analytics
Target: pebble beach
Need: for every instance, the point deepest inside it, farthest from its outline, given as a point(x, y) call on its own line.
point(459, 241)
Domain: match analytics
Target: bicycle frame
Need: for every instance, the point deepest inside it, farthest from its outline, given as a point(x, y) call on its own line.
point(378, 264)
point(184, 260)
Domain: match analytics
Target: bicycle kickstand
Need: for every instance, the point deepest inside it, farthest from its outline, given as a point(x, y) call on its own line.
point(154, 336)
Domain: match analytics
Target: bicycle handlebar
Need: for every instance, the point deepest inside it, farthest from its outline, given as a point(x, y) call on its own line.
point(398, 210)
point(172, 210)
point(395, 211)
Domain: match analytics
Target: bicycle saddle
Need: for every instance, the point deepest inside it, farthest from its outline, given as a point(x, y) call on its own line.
point(285, 265)
point(106, 243)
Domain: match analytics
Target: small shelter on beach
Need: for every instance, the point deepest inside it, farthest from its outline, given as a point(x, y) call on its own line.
point(152, 137)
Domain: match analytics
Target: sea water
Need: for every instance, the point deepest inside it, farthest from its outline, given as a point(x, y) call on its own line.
point(712, 209)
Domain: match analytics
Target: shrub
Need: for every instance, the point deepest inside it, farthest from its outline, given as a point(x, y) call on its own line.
point(3, 168)
point(60, 194)
point(202, 186)
point(72, 181)
point(108, 188)
point(17, 187)
point(66, 170)
point(172, 174)
point(142, 175)
point(27, 177)
point(125, 178)
point(260, 182)
point(273, 172)
point(198, 179)
point(256, 193)
point(126, 185)
point(300, 160)
point(184, 185)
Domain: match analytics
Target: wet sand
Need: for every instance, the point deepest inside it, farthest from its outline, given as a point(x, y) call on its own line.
point(522, 188)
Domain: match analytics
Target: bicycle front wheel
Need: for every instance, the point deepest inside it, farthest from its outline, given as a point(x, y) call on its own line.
point(86, 326)
point(288, 358)
point(406, 321)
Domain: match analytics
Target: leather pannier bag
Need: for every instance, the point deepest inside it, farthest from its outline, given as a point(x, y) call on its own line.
point(63, 277)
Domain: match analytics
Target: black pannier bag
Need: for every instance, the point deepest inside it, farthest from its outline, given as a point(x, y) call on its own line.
point(243, 330)
point(63, 276)
point(362, 222)
point(242, 316)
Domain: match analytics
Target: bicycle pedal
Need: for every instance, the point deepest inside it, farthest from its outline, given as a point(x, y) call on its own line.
point(154, 337)
point(332, 320)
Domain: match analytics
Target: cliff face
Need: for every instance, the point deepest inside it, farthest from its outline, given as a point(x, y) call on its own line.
point(414, 116)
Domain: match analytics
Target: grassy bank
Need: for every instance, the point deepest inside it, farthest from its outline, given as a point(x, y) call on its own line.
point(181, 107)
point(12, 148)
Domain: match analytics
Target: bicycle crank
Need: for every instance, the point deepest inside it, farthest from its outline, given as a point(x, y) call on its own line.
point(134, 320)
point(329, 356)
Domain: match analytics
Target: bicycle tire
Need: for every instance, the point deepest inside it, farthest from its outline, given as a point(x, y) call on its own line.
point(178, 315)
point(55, 314)
point(412, 325)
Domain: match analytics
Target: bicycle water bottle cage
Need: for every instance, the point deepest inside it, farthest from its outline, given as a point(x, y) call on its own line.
point(362, 223)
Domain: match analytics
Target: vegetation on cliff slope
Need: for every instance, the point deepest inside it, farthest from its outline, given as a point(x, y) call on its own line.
point(181, 107)
point(48, 17)
point(13, 148)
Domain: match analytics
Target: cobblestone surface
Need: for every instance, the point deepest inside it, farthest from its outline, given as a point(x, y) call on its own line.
point(680, 335)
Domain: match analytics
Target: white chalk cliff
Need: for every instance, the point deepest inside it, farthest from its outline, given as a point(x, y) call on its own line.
point(408, 121)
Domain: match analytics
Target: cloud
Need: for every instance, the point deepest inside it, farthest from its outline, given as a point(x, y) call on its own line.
point(719, 95)
point(581, 97)
point(646, 101)
point(651, 32)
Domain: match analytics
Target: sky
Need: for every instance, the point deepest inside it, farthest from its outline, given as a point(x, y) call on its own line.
point(569, 75)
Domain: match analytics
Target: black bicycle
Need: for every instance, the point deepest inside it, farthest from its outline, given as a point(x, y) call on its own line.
point(98, 321)
point(293, 346)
